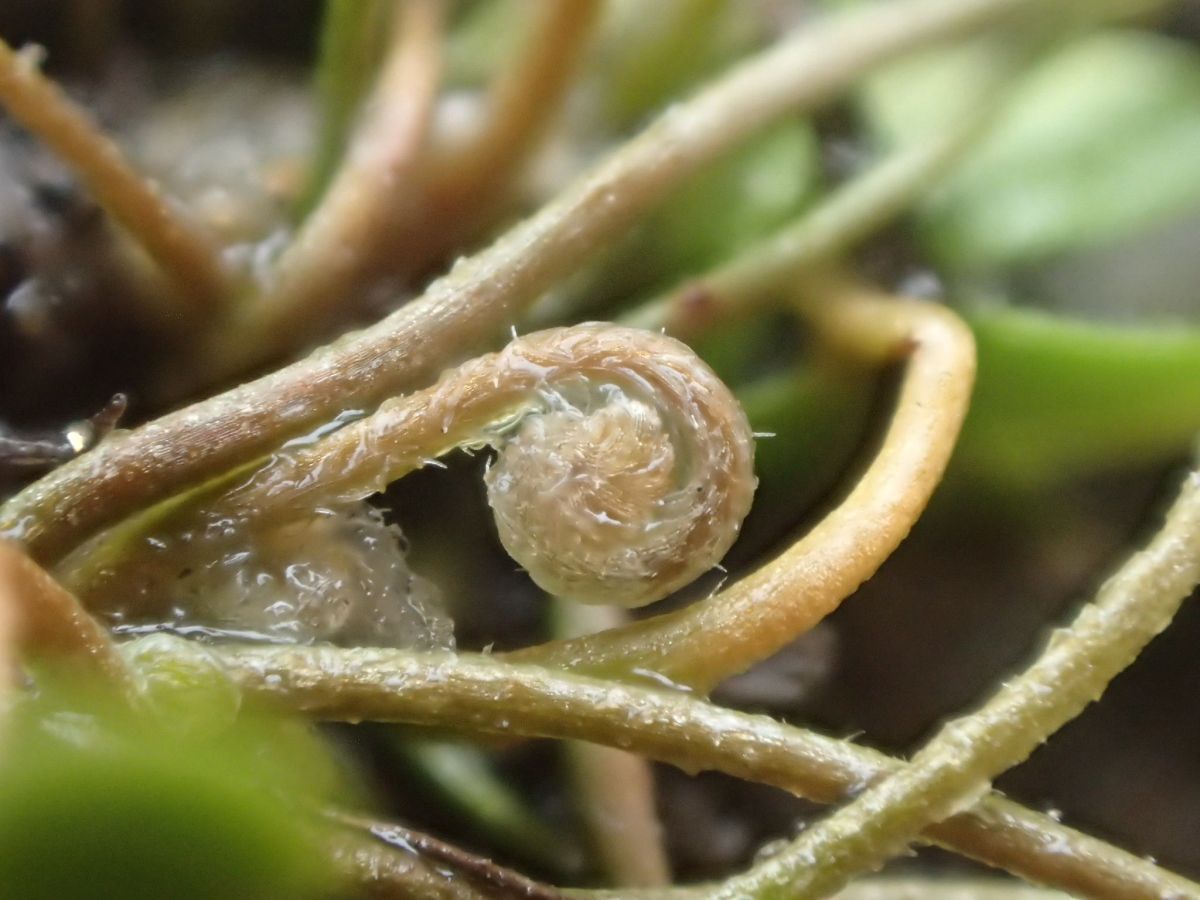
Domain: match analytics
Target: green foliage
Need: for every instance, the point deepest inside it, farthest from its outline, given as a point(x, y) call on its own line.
point(744, 197)
point(1057, 397)
point(1098, 142)
point(656, 51)
point(98, 802)
point(485, 34)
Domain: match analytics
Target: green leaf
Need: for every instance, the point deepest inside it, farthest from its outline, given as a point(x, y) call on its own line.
point(1058, 397)
point(745, 196)
point(484, 34)
point(1100, 141)
point(97, 803)
point(656, 51)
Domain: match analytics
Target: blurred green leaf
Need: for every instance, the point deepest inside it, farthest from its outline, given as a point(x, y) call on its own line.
point(745, 196)
point(95, 802)
point(1099, 142)
point(809, 421)
point(1059, 397)
point(656, 51)
point(483, 35)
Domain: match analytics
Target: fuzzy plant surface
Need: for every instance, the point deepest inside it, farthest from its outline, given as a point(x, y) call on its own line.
point(552, 448)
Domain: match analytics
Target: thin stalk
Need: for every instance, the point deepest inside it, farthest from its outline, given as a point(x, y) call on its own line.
point(614, 789)
point(371, 192)
point(725, 634)
point(390, 860)
point(188, 258)
point(887, 887)
point(958, 764)
point(485, 695)
point(853, 211)
point(466, 182)
point(46, 623)
point(913, 888)
point(347, 58)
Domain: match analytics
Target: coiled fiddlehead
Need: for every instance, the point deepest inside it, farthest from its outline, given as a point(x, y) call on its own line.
point(624, 466)
point(624, 469)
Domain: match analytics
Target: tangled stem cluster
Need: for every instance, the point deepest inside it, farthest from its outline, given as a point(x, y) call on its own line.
point(625, 466)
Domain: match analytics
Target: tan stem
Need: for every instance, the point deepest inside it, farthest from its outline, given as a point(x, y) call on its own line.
point(373, 190)
point(614, 789)
point(479, 693)
point(744, 624)
point(188, 257)
point(465, 184)
point(50, 624)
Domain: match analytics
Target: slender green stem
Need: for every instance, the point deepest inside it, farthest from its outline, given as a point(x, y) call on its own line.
point(957, 765)
point(464, 781)
point(882, 888)
point(759, 274)
point(484, 695)
point(339, 244)
point(480, 295)
point(346, 59)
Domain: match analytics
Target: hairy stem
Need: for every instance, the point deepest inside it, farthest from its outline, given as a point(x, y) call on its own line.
point(484, 695)
point(887, 887)
point(958, 764)
point(186, 256)
point(744, 624)
point(388, 860)
point(482, 294)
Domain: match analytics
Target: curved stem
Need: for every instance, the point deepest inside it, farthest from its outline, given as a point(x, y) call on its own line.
point(957, 765)
point(189, 259)
point(479, 296)
point(340, 242)
point(484, 695)
point(769, 608)
point(49, 624)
